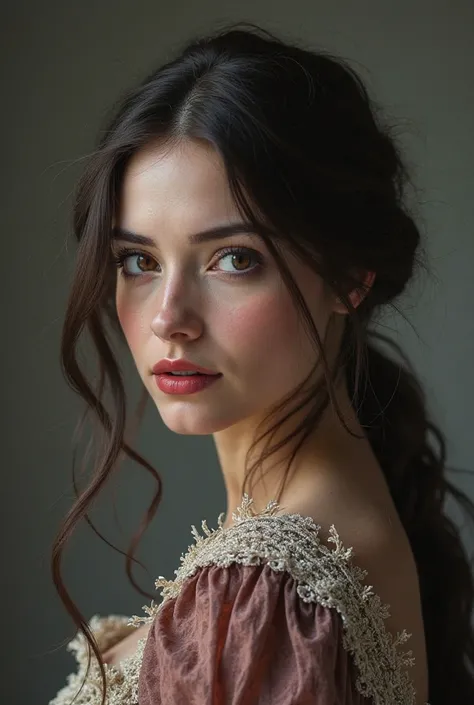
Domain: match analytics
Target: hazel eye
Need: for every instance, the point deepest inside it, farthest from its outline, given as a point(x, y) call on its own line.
point(238, 256)
point(124, 255)
point(147, 260)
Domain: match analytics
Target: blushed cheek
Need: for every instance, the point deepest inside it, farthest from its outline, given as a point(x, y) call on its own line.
point(130, 322)
point(259, 324)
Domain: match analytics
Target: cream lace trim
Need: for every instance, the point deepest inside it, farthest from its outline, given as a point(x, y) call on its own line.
point(122, 681)
point(291, 543)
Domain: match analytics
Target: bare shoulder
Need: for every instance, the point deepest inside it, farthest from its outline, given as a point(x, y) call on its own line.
point(392, 571)
point(380, 547)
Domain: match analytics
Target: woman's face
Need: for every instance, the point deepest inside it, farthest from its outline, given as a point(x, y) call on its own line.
point(230, 313)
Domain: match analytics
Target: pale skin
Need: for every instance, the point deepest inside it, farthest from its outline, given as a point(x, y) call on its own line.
point(185, 302)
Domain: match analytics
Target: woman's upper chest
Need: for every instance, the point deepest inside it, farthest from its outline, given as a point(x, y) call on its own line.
point(125, 647)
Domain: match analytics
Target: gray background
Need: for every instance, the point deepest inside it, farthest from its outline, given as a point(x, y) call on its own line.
point(63, 64)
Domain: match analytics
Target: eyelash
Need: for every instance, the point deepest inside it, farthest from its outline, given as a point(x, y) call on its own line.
point(124, 253)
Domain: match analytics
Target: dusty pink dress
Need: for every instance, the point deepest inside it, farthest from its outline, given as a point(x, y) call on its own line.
point(260, 613)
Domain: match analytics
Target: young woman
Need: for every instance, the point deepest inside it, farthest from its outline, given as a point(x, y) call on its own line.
point(243, 220)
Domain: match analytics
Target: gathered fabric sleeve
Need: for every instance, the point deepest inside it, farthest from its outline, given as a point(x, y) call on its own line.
point(242, 635)
point(260, 613)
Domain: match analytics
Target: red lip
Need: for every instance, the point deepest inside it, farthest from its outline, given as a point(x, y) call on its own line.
point(180, 365)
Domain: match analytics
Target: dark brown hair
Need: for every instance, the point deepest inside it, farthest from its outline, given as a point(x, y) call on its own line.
point(299, 135)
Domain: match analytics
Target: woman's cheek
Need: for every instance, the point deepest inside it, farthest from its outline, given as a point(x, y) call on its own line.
point(130, 321)
point(259, 322)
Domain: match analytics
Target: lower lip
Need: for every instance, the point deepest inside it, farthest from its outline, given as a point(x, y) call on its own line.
point(184, 385)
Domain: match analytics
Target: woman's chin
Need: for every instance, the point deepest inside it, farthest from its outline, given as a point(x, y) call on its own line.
point(192, 423)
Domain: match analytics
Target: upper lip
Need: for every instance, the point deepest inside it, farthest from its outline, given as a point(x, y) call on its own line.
point(180, 365)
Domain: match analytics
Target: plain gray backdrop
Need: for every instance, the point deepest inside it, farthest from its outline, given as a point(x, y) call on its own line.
point(63, 65)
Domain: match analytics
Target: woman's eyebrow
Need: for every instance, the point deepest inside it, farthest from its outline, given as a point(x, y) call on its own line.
point(215, 233)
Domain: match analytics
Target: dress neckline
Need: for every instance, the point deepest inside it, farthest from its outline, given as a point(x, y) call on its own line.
point(291, 542)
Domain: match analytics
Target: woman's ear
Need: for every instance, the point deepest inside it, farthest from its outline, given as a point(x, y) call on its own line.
point(357, 295)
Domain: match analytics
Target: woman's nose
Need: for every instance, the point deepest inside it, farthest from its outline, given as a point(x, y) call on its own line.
point(177, 314)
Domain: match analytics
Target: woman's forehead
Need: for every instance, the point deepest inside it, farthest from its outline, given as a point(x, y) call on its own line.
point(187, 184)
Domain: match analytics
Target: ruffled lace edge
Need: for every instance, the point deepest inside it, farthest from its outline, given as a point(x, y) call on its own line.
point(333, 582)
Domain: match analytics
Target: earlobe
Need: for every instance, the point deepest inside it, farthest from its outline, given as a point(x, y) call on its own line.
point(357, 295)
